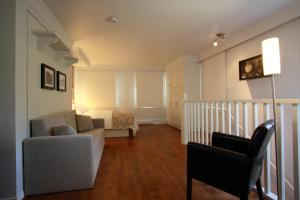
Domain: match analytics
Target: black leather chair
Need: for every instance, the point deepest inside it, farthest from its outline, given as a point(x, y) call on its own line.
point(232, 164)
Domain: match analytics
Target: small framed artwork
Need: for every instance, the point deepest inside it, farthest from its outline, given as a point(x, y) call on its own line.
point(47, 77)
point(251, 68)
point(61, 81)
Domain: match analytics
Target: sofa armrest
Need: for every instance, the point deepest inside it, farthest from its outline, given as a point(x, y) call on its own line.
point(98, 123)
point(57, 163)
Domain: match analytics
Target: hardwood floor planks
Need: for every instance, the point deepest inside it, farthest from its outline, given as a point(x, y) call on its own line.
point(150, 166)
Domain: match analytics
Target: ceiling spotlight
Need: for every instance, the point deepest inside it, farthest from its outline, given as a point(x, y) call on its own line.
point(215, 43)
point(219, 36)
point(112, 19)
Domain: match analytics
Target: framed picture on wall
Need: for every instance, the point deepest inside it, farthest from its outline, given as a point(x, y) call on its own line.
point(47, 77)
point(251, 68)
point(61, 79)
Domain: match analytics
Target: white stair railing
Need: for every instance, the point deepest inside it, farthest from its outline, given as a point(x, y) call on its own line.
point(202, 118)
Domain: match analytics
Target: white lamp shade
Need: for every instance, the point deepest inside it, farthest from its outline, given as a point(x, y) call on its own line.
point(271, 56)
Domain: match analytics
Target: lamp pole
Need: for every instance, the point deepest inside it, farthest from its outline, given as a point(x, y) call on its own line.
point(275, 135)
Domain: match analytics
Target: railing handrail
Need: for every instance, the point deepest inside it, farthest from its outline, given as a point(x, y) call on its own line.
point(278, 101)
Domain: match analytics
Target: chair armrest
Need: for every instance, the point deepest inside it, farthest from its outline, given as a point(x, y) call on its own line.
point(57, 163)
point(98, 123)
point(224, 169)
point(230, 142)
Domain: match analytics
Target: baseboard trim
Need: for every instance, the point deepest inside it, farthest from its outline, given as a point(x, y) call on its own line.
point(174, 125)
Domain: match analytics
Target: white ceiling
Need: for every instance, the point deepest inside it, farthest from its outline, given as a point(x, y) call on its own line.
point(153, 32)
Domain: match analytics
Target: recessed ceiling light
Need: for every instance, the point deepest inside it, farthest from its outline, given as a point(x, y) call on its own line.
point(112, 19)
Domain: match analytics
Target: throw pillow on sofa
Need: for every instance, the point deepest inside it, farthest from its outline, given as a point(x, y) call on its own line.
point(84, 123)
point(63, 130)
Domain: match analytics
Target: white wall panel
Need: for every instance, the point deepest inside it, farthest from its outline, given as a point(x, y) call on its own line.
point(213, 78)
point(149, 89)
point(42, 101)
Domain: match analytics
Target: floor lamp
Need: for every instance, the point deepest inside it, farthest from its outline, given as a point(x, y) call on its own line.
point(271, 64)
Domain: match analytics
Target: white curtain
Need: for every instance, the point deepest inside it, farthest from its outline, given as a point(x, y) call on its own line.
point(126, 91)
point(95, 89)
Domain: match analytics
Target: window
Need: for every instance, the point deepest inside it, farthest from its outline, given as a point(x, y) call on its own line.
point(96, 88)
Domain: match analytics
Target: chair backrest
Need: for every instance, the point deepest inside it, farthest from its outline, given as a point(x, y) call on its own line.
point(260, 139)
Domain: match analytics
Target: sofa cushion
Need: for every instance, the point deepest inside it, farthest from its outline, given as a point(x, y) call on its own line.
point(70, 117)
point(84, 123)
point(63, 130)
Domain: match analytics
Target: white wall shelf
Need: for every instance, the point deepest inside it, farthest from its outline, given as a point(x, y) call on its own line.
point(47, 39)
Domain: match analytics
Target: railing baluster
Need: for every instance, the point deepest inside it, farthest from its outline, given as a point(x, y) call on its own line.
point(255, 115)
point(280, 154)
point(223, 117)
point(188, 121)
point(195, 120)
point(297, 156)
point(246, 121)
point(184, 135)
point(211, 121)
point(206, 125)
point(267, 164)
point(229, 118)
point(199, 126)
point(202, 123)
point(237, 119)
point(217, 117)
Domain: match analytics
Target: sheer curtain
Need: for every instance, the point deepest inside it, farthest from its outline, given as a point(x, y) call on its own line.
point(125, 91)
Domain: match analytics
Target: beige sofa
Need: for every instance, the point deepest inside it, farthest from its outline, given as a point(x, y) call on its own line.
point(61, 163)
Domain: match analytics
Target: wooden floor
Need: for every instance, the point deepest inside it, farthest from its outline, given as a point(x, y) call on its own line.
point(150, 166)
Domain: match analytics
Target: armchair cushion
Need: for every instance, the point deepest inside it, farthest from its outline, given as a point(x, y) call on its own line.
point(84, 123)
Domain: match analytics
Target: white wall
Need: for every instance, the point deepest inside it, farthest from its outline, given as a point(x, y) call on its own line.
point(214, 68)
point(7, 106)
point(21, 118)
point(213, 86)
point(15, 90)
point(183, 78)
point(43, 101)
